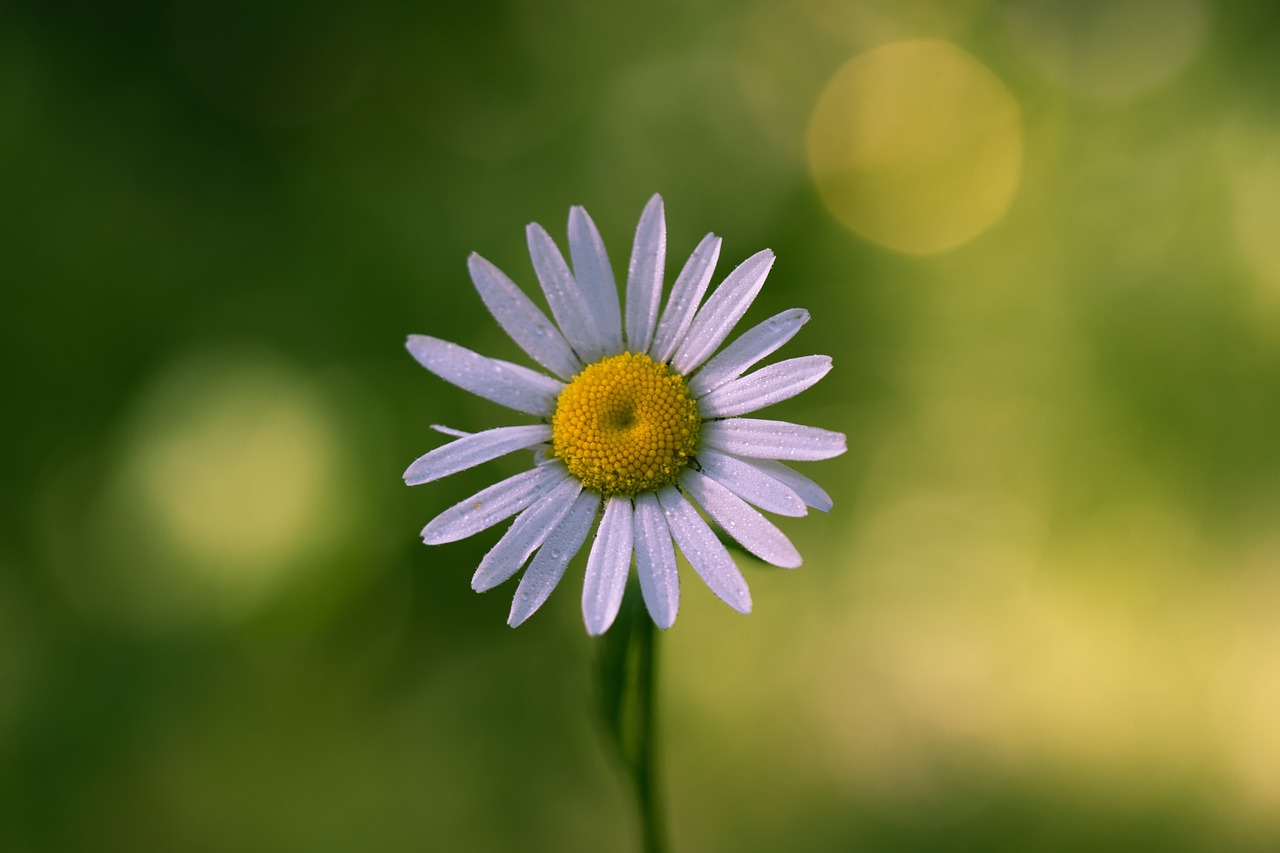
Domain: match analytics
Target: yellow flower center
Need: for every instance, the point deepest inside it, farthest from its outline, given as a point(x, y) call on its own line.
point(625, 425)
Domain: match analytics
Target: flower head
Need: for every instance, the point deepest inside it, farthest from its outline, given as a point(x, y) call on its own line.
point(639, 421)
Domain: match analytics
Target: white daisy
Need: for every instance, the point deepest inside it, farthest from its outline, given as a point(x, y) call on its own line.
point(638, 419)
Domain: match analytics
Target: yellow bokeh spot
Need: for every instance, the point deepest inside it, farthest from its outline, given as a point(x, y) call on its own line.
point(1255, 210)
point(239, 482)
point(625, 425)
point(230, 487)
point(1108, 50)
point(916, 145)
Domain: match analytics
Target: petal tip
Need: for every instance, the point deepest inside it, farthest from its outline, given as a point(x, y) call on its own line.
point(598, 622)
point(579, 218)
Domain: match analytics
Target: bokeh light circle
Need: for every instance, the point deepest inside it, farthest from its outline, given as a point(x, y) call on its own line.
point(1108, 50)
point(1255, 209)
point(916, 145)
point(230, 486)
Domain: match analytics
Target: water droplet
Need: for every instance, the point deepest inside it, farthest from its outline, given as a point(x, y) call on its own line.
point(524, 596)
point(773, 325)
point(555, 553)
point(540, 330)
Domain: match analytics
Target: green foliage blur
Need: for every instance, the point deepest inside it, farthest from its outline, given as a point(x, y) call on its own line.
point(1043, 615)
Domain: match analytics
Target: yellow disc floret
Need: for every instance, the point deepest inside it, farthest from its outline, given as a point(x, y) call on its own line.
point(625, 425)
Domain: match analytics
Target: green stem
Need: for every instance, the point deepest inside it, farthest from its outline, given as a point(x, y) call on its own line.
point(645, 768)
point(628, 694)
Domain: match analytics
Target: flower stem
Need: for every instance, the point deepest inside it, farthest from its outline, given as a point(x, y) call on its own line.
point(645, 767)
point(628, 672)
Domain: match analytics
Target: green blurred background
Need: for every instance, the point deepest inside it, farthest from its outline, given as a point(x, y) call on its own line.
point(1043, 615)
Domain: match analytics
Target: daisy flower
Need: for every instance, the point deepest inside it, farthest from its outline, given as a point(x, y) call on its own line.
point(638, 423)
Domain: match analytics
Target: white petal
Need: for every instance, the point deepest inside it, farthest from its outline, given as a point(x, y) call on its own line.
point(525, 534)
point(768, 385)
point(489, 506)
point(595, 278)
point(752, 530)
point(568, 304)
point(607, 567)
point(644, 276)
point(751, 346)
point(502, 382)
point(746, 481)
point(656, 561)
point(764, 439)
point(549, 563)
point(686, 293)
point(809, 491)
point(472, 450)
point(707, 554)
point(448, 430)
point(522, 320)
point(722, 312)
